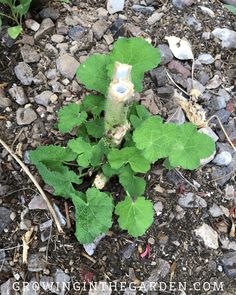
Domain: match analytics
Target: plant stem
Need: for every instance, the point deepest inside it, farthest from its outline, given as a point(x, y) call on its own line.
point(120, 93)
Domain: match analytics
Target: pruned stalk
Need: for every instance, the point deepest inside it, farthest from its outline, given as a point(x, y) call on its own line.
point(120, 93)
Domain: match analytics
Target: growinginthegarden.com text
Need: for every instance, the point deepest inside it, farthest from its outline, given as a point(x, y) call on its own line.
point(120, 286)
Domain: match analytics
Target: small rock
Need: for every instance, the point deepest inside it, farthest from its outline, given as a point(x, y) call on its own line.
point(216, 211)
point(61, 279)
point(166, 54)
point(143, 9)
point(37, 203)
point(214, 83)
point(49, 12)
point(206, 58)
point(44, 98)
point(196, 85)
point(209, 236)
point(148, 100)
point(51, 50)
point(203, 77)
point(228, 37)
point(194, 23)
point(129, 250)
point(46, 27)
point(155, 17)
point(101, 288)
point(7, 287)
point(178, 117)
point(166, 92)
point(25, 116)
point(176, 67)
point(99, 28)
point(108, 38)
point(36, 262)
point(77, 33)
point(160, 272)
point(29, 54)
point(182, 3)
point(32, 25)
point(114, 6)
point(159, 76)
point(4, 188)
point(118, 28)
point(5, 218)
point(207, 11)
point(67, 66)
point(191, 200)
point(31, 288)
point(224, 94)
point(18, 94)
point(158, 207)
point(218, 103)
point(4, 101)
point(223, 116)
point(223, 159)
point(208, 131)
point(228, 261)
point(24, 73)
point(56, 38)
point(227, 244)
point(90, 248)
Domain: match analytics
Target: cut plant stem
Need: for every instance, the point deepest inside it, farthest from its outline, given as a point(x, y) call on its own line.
point(120, 93)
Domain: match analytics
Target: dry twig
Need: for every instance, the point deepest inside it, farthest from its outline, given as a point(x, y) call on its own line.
point(32, 178)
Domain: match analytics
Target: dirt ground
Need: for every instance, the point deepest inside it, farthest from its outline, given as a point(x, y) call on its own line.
point(177, 255)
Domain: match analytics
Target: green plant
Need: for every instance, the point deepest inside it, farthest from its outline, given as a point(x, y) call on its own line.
point(231, 8)
point(116, 138)
point(17, 10)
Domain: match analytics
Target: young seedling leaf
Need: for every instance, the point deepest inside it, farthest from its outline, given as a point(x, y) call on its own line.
point(182, 144)
point(83, 149)
point(14, 32)
point(135, 216)
point(154, 138)
point(190, 147)
point(52, 153)
point(128, 155)
point(108, 171)
point(95, 127)
point(60, 179)
point(94, 104)
point(94, 216)
point(70, 116)
point(140, 115)
point(134, 185)
point(93, 73)
point(231, 8)
point(138, 53)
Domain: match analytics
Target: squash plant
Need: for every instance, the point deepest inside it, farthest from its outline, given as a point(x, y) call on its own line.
point(18, 9)
point(116, 137)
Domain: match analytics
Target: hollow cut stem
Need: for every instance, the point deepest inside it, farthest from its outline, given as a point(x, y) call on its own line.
point(120, 94)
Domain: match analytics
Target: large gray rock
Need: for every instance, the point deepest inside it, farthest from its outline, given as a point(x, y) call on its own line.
point(229, 263)
point(182, 3)
point(208, 235)
point(46, 27)
point(114, 6)
point(228, 37)
point(67, 66)
point(99, 28)
point(24, 73)
point(29, 54)
point(25, 116)
point(18, 94)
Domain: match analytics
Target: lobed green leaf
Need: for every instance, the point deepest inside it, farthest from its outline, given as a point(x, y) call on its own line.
point(135, 216)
